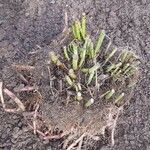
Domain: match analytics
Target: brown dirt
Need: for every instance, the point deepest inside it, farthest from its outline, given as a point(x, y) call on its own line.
point(25, 24)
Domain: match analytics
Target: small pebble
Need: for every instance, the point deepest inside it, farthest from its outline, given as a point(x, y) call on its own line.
point(52, 1)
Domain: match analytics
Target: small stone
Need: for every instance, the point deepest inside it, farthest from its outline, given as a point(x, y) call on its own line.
point(107, 9)
point(52, 1)
point(132, 142)
point(16, 129)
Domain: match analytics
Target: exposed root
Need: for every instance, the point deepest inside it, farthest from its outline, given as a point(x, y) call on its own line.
point(77, 141)
point(35, 118)
point(40, 126)
point(48, 134)
point(13, 96)
point(66, 142)
point(50, 80)
point(45, 135)
point(1, 95)
point(80, 144)
point(38, 131)
point(114, 127)
point(65, 31)
point(26, 88)
point(26, 114)
point(16, 100)
point(23, 78)
point(66, 22)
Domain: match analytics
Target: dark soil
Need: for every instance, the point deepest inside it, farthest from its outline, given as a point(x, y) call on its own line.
point(27, 25)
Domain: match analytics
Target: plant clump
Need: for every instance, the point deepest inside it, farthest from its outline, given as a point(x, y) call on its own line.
point(100, 78)
point(89, 83)
point(86, 66)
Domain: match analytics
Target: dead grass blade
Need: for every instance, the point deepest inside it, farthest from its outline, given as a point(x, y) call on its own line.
point(16, 100)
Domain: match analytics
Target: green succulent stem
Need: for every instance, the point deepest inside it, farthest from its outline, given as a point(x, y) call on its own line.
point(99, 42)
point(119, 98)
point(83, 26)
point(89, 102)
point(66, 53)
point(109, 94)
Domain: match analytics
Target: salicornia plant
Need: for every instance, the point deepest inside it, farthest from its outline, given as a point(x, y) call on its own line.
point(86, 61)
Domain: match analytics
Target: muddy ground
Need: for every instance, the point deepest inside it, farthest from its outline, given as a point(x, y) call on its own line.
point(25, 24)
